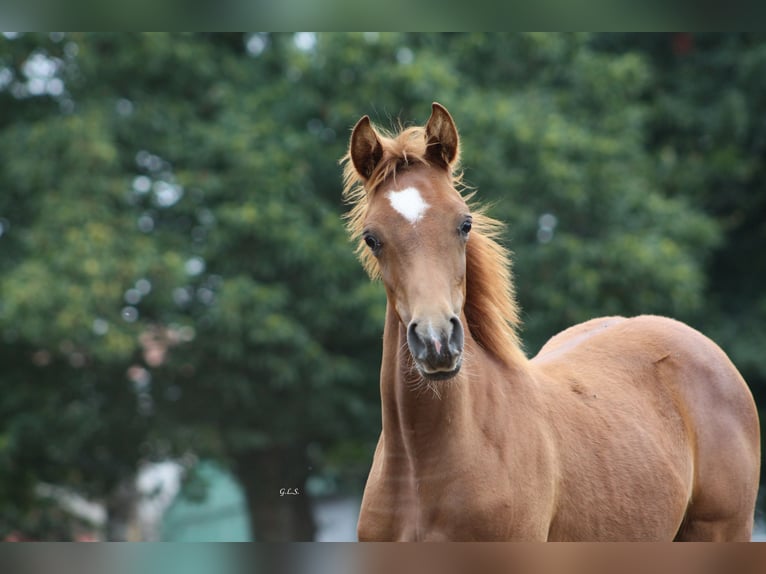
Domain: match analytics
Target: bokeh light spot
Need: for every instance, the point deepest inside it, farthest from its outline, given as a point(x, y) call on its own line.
point(129, 314)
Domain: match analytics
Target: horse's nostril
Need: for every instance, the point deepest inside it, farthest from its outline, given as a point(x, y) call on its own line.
point(412, 331)
point(456, 337)
point(417, 345)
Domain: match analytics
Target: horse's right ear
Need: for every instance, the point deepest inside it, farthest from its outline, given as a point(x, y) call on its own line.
point(365, 149)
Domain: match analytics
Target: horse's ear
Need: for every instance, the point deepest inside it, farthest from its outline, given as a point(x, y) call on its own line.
point(441, 136)
point(365, 148)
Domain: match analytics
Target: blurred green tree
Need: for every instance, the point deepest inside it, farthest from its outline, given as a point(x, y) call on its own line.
point(176, 274)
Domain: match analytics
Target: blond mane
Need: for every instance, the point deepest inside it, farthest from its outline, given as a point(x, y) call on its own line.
point(490, 307)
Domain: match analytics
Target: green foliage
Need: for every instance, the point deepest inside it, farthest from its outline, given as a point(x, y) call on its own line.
point(174, 275)
point(707, 139)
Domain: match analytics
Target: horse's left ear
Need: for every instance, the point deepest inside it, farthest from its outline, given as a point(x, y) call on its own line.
point(441, 136)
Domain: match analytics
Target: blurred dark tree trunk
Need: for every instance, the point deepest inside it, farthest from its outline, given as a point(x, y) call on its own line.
point(264, 474)
point(121, 508)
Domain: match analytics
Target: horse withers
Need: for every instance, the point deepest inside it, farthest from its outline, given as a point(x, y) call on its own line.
point(619, 429)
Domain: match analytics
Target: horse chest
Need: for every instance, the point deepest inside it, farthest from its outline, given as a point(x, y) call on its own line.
point(460, 504)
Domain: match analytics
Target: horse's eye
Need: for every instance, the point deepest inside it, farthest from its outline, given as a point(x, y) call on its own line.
point(465, 228)
point(371, 242)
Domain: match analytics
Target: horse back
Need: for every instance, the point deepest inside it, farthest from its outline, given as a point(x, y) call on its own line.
point(653, 355)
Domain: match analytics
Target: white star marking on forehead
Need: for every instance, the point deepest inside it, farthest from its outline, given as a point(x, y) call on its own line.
point(409, 203)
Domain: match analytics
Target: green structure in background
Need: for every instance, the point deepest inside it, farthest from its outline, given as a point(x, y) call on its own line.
point(221, 516)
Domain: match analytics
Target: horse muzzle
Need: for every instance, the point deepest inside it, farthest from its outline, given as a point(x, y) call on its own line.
point(436, 349)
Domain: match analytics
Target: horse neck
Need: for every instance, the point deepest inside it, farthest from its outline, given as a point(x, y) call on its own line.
point(415, 418)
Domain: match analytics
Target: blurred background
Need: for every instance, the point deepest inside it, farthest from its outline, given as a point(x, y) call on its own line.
point(189, 349)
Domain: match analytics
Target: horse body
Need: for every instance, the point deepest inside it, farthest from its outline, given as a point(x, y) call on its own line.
point(668, 422)
point(619, 429)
